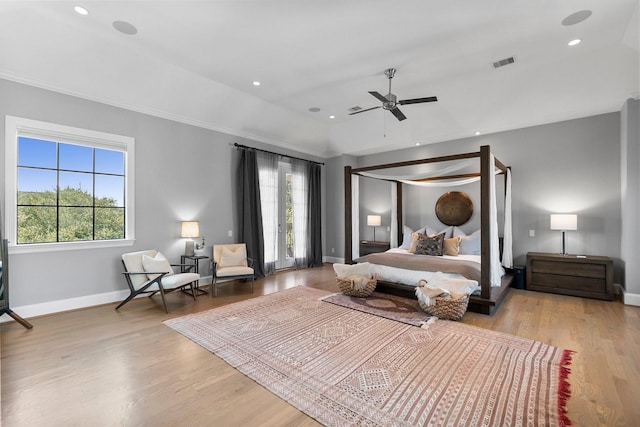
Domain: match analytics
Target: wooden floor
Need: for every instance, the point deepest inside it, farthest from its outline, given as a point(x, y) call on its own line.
point(101, 367)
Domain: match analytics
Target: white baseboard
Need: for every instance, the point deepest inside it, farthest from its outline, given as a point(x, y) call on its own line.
point(627, 297)
point(630, 299)
point(58, 306)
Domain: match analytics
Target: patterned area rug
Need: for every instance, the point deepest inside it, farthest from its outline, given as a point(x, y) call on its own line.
point(345, 367)
point(384, 305)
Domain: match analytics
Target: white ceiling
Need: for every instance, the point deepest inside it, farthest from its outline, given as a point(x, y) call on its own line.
point(195, 61)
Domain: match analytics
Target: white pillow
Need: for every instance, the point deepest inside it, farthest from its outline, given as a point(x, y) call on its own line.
point(157, 264)
point(448, 232)
point(345, 270)
point(458, 232)
point(407, 236)
point(230, 258)
point(470, 245)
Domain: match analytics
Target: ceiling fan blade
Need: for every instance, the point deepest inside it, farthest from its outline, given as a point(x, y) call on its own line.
point(380, 97)
point(396, 112)
point(418, 100)
point(362, 111)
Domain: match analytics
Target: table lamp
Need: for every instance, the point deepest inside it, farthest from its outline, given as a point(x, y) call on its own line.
point(189, 229)
point(564, 222)
point(374, 221)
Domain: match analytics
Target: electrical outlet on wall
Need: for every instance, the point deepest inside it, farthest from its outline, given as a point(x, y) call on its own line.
point(532, 233)
point(230, 233)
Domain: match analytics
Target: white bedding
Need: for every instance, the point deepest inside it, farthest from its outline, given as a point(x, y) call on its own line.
point(412, 277)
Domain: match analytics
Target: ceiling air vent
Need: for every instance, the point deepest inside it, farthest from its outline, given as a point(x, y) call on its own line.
point(354, 109)
point(504, 62)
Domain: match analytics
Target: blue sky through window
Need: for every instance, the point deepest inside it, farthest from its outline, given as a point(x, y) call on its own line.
point(37, 153)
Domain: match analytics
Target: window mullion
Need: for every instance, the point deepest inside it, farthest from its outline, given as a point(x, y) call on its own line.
point(57, 192)
point(93, 195)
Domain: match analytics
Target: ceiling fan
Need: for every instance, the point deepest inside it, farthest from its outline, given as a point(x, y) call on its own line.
point(390, 102)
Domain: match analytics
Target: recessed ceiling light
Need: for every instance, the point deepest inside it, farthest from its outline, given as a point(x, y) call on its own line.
point(125, 28)
point(332, 117)
point(314, 109)
point(80, 10)
point(417, 144)
point(478, 132)
point(574, 42)
point(256, 83)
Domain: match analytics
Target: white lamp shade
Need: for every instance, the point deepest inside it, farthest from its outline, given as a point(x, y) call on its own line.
point(190, 229)
point(564, 222)
point(374, 220)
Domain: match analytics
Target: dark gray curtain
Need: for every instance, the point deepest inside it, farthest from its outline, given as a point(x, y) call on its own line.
point(314, 245)
point(250, 210)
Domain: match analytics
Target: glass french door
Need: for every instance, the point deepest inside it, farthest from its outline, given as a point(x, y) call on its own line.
point(285, 246)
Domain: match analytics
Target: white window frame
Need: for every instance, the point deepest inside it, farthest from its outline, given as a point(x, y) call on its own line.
point(17, 126)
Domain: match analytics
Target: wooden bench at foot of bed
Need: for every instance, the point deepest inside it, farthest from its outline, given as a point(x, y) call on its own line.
point(477, 304)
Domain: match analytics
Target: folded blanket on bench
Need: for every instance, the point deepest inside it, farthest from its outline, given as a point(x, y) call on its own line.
point(428, 295)
point(440, 285)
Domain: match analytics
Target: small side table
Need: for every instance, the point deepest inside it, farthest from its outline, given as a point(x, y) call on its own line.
point(196, 261)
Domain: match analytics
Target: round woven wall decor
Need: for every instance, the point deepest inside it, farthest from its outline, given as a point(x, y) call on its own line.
point(454, 208)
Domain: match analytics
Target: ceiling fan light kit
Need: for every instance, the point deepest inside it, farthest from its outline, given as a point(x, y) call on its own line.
point(390, 101)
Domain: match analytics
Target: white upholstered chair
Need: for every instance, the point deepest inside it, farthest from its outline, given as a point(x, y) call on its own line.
point(150, 272)
point(230, 262)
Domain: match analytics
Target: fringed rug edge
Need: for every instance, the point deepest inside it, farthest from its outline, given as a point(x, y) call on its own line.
point(564, 387)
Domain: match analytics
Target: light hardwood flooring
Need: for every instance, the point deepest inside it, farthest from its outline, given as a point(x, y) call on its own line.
point(101, 367)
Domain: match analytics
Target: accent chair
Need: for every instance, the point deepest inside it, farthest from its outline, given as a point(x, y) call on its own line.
point(230, 262)
point(149, 272)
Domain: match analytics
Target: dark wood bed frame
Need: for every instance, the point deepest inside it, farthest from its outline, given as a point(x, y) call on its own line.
point(490, 297)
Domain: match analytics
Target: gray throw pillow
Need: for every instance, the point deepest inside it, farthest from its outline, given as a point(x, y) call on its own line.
point(430, 245)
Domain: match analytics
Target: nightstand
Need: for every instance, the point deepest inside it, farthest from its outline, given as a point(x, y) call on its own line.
point(370, 247)
point(582, 276)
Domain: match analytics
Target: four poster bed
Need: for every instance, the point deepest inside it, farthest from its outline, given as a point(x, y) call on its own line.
point(484, 267)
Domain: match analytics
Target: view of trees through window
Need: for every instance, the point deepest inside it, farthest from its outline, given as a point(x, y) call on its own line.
point(289, 217)
point(69, 192)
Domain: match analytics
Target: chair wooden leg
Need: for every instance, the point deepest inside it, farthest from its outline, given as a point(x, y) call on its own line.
point(164, 301)
point(193, 291)
point(129, 298)
point(16, 317)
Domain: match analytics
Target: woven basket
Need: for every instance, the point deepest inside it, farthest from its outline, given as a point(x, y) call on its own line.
point(347, 287)
point(447, 308)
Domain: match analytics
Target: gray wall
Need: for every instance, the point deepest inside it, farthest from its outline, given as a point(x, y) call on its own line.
point(334, 229)
point(182, 173)
point(571, 166)
point(630, 173)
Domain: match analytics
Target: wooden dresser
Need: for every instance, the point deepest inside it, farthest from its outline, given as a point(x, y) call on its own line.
point(369, 247)
point(582, 276)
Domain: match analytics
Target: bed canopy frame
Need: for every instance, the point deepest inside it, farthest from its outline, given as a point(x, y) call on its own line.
point(490, 296)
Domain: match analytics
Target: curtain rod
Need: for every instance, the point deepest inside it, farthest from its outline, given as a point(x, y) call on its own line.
point(278, 154)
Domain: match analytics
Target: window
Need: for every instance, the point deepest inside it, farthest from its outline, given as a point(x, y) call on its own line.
point(66, 187)
point(283, 199)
